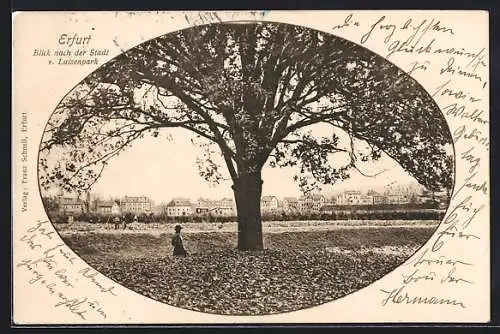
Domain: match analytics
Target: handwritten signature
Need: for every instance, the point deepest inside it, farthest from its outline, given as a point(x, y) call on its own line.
point(400, 296)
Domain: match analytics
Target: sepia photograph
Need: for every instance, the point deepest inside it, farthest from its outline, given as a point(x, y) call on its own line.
point(246, 168)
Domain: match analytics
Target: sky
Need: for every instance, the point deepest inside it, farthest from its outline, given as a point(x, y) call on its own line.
point(163, 169)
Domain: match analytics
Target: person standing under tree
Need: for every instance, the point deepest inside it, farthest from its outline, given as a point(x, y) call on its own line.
point(177, 242)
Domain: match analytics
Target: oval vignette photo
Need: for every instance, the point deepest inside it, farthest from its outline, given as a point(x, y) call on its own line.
point(246, 168)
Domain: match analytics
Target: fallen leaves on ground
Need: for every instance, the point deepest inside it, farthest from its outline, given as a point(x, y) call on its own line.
point(298, 270)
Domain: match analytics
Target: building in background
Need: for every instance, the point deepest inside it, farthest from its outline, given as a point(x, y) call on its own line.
point(223, 207)
point(290, 204)
point(110, 207)
point(378, 199)
point(226, 207)
point(71, 205)
point(136, 204)
point(204, 206)
point(349, 197)
point(312, 202)
point(268, 204)
point(104, 207)
point(179, 207)
point(366, 199)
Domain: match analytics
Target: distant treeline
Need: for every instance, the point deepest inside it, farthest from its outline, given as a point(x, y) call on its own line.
point(358, 214)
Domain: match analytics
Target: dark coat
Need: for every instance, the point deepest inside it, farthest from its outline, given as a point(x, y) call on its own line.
point(178, 246)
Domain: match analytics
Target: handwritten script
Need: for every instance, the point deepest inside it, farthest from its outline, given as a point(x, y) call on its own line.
point(429, 47)
point(54, 268)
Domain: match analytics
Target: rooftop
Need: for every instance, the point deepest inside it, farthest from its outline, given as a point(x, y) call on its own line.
point(135, 199)
point(179, 202)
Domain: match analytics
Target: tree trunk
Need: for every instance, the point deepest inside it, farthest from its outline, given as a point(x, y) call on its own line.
point(247, 193)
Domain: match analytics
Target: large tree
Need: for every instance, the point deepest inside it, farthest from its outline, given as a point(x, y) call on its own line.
point(253, 91)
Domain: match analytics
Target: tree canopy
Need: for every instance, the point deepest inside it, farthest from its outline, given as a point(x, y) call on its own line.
point(252, 91)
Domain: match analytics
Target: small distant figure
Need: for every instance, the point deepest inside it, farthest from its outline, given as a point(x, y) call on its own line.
point(116, 220)
point(177, 242)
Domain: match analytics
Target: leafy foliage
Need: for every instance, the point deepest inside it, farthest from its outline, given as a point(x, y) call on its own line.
point(252, 91)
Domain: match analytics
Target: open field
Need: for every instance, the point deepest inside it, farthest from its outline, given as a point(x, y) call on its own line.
point(299, 268)
point(267, 227)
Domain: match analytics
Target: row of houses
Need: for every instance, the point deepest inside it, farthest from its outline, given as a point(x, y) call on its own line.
point(226, 206)
point(315, 202)
point(354, 197)
point(133, 204)
point(144, 205)
point(203, 206)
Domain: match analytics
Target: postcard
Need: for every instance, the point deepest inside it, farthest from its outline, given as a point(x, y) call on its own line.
point(228, 167)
